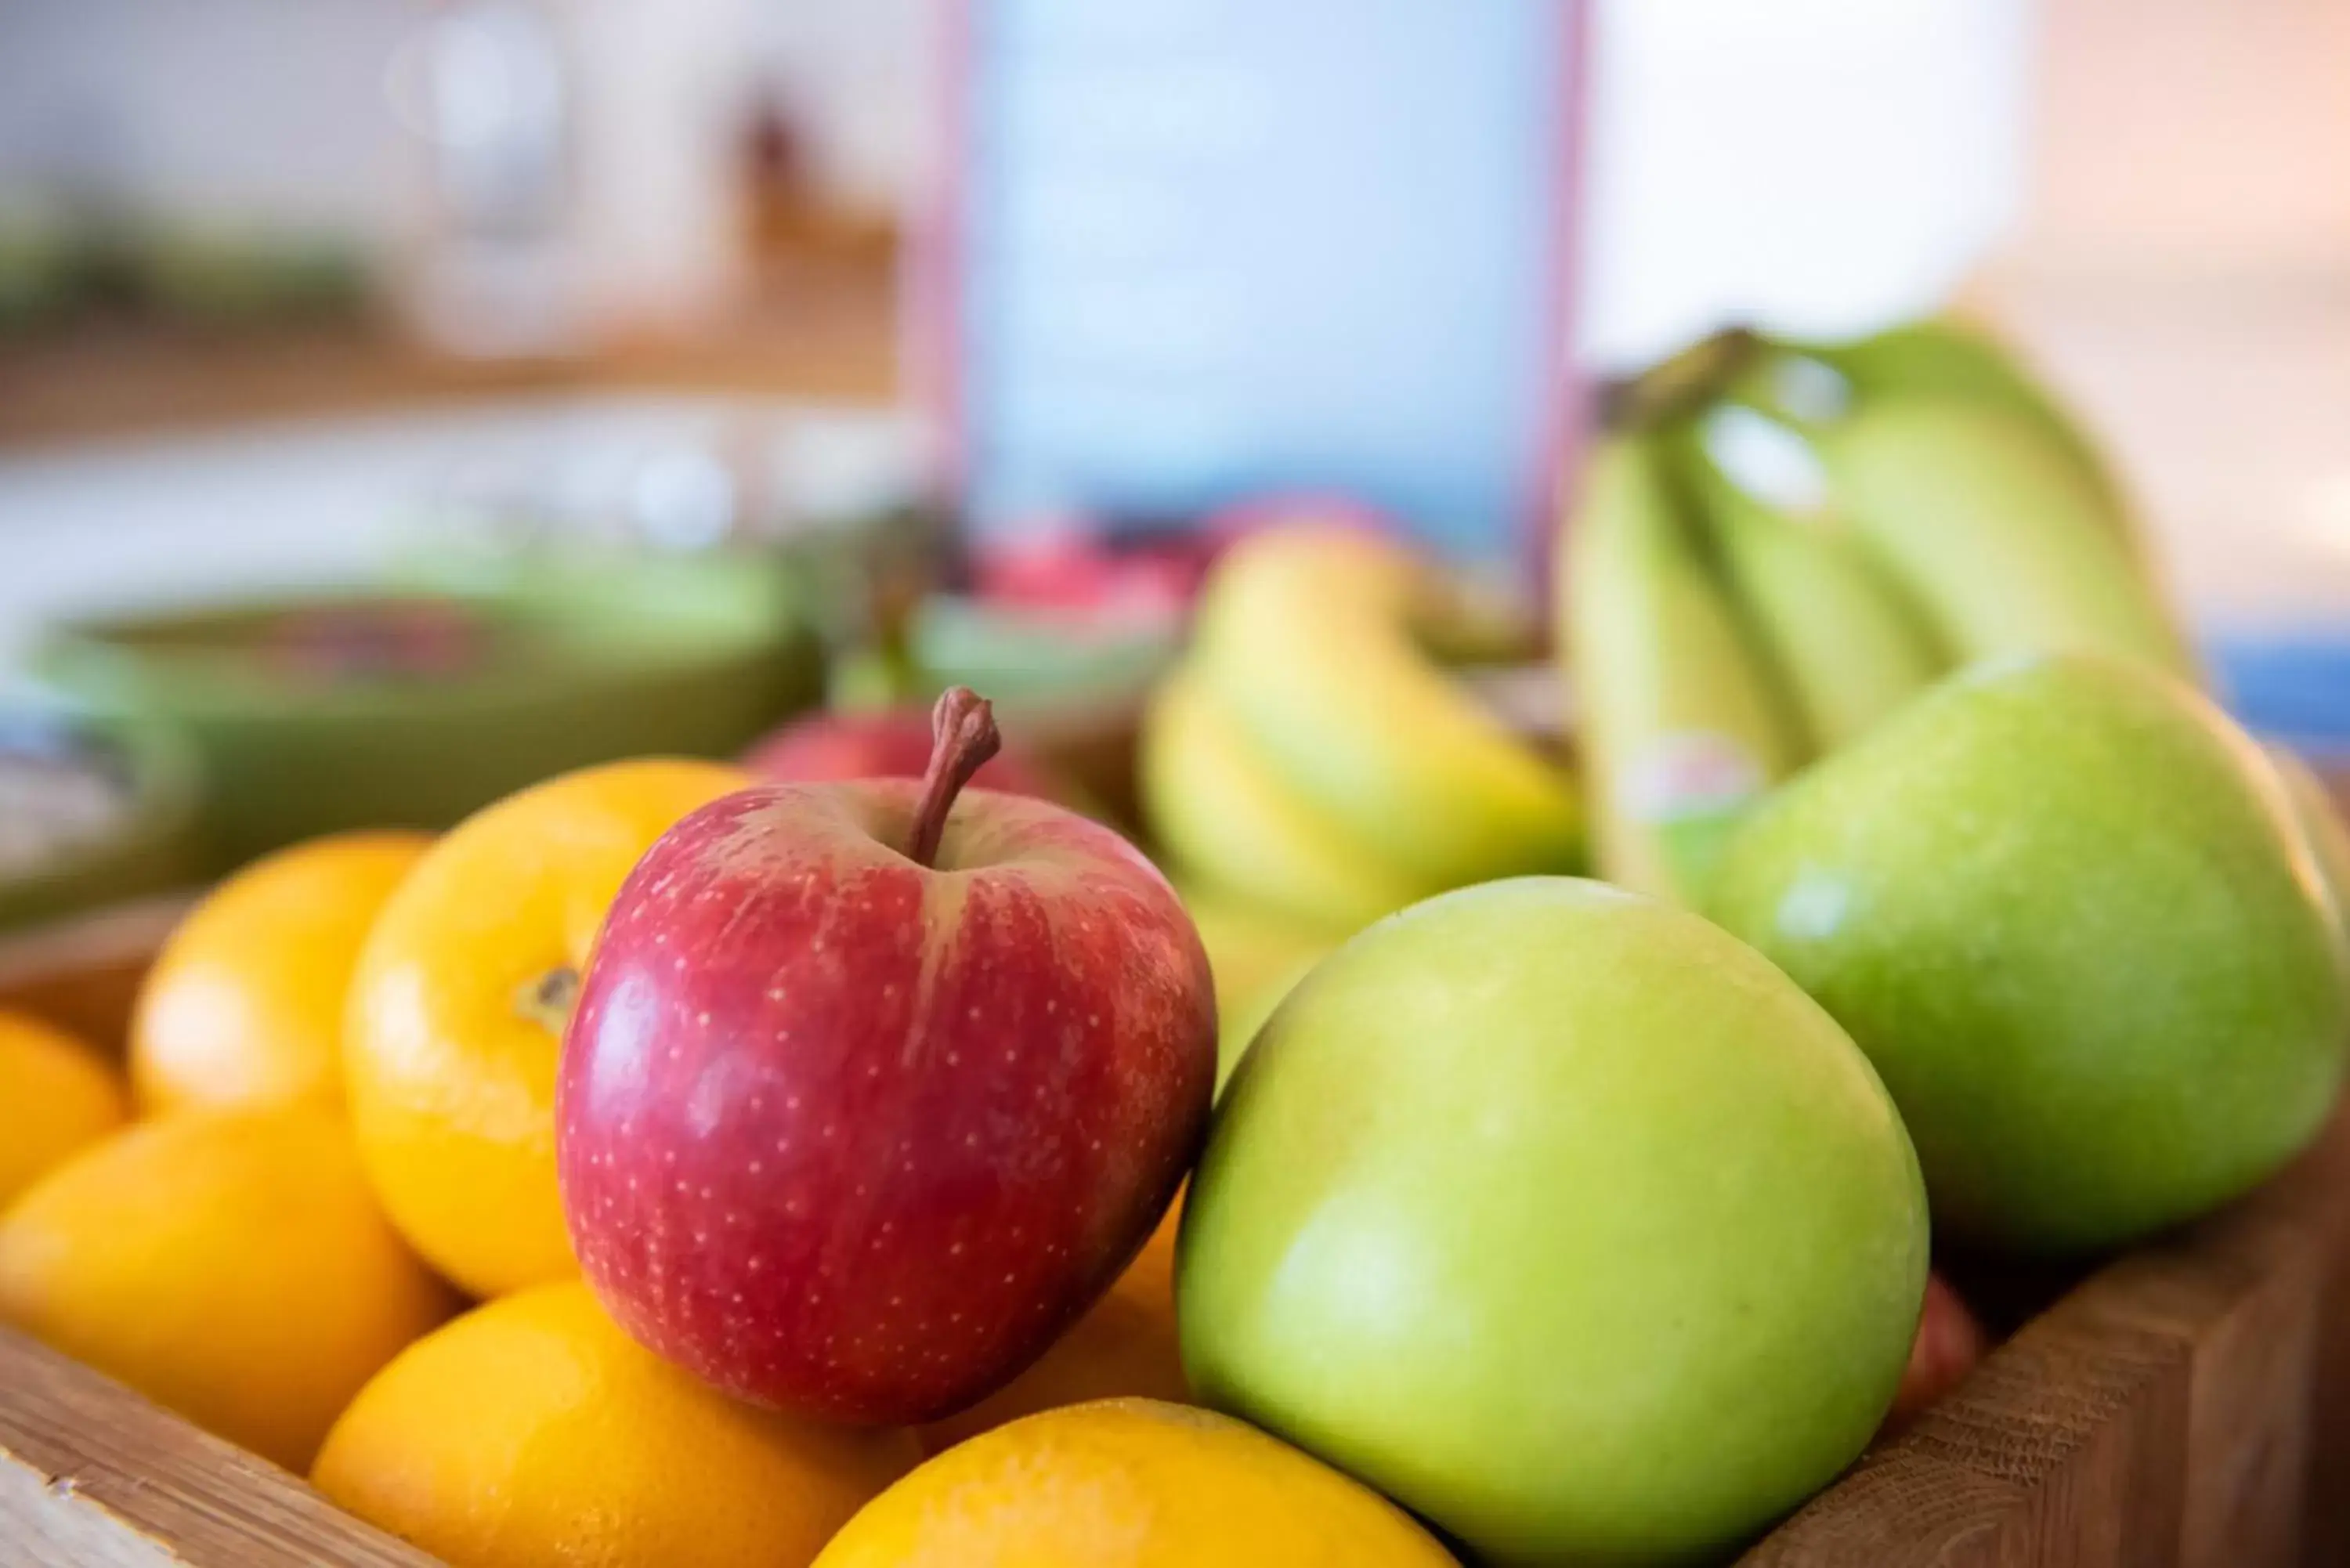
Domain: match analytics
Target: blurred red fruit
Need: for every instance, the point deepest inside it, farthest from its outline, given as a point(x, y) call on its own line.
point(1949, 1343)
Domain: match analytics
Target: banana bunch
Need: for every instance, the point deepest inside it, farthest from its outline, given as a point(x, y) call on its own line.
point(1782, 542)
point(1314, 762)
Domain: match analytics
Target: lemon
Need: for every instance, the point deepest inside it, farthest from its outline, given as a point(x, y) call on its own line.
point(1130, 1483)
point(245, 1004)
point(459, 1002)
point(55, 1095)
point(230, 1264)
point(532, 1431)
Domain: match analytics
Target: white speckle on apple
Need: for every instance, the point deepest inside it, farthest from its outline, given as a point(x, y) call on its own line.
point(703, 1019)
point(757, 1167)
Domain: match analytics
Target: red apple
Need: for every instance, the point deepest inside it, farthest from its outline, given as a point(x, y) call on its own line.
point(871, 1090)
point(1949, 1343)
point(890, 743)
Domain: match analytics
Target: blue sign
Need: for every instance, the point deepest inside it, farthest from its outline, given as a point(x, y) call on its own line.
point(1197, 252)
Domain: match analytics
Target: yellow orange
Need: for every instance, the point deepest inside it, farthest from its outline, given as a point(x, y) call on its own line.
point(1125, 1347)
point(533, 1431)
point(245, 1005)
point(457, 1007)
point(57, 1095)
point(1130, 1483)
point(231, 1264)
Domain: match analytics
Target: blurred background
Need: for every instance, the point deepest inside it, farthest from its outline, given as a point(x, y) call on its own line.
point(869, 343)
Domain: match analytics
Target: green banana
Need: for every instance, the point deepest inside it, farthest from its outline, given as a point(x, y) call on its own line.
point(1681, 732)
point(1848, 646)
point(1941, 356)
point(2000, 542)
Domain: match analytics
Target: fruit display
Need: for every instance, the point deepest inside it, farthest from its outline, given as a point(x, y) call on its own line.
point(1440, 1135)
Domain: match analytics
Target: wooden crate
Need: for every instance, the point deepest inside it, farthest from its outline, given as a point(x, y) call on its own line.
point(2185, 1407)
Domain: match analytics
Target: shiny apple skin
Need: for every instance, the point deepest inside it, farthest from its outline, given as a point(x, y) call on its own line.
point(850, 1135)
point(894, 743)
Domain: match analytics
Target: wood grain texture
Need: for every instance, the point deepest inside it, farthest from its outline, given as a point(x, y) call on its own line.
point(93, 1474)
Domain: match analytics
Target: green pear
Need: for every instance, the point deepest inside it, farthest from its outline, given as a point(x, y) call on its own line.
point(1561, 1217)
point(2061, 904)
point(2322, 827)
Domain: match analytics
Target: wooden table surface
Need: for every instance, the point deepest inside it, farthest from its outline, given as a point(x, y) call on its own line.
point(825, 333)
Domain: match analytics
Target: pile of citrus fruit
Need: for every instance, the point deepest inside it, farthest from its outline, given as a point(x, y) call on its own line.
point(318, 1214)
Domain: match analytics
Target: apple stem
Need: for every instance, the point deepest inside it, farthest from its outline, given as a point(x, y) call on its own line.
point(962, 737)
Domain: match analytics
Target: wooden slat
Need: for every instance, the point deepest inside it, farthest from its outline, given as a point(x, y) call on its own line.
point(90, 1473)
point(83, 974)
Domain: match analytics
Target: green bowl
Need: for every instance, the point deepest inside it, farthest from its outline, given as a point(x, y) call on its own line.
point(155, 845)
point(416, 707)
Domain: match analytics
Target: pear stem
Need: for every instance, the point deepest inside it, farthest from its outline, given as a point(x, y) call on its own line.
point(962, 737)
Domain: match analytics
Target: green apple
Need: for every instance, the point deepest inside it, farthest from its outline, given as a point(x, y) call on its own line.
point(1561, 1217)
point(2061, 904)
